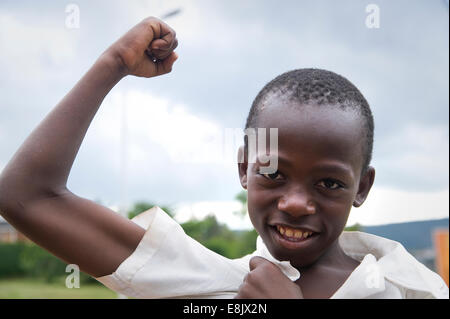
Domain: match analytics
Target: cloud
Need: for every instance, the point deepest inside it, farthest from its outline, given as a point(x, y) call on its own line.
point(152, 120)
point(29, 49)
point(415, 158)
point(387, 205)
point(171, 154)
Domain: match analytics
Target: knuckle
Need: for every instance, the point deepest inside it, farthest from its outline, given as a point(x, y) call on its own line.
point(244, 291)
point(264, 270)
point(268, 266)
point(167, 70)
point(150, 20)
point(254, 276)
point(250, 276)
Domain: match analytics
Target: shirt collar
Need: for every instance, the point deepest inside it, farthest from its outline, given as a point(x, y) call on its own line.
point(388, 259)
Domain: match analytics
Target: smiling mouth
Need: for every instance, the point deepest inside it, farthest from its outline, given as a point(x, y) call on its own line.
point(293, 234)
point(293, 238)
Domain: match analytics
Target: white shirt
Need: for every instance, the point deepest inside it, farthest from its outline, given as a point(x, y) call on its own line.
point(167, 263)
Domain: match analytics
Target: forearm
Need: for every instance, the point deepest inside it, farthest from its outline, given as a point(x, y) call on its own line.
point(43, 162)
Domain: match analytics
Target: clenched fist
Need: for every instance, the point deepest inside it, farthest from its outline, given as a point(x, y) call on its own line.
point(146, 50)
point(266, 281)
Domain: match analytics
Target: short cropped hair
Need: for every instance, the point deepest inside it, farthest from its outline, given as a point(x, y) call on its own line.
point(321, 88)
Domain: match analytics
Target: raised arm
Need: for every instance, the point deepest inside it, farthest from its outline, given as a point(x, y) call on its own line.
point(33, 186)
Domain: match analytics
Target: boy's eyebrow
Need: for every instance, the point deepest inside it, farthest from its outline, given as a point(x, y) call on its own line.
point(335, 167)
point(332, 166)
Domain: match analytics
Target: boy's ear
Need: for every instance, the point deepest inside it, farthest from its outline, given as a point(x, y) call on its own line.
point(365, 184)
point(242, 167)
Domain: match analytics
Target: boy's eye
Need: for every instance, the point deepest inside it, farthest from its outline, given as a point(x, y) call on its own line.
point(330, 184)
point(273, 176)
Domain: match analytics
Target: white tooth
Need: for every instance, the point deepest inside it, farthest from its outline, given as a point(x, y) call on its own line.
point(281, 230)
point(289, 232)
point(306, 234)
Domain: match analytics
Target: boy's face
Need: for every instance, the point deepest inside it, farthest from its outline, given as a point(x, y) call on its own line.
point(318, 180)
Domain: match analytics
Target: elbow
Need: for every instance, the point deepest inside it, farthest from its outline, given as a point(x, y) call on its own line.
point(4, 194)
point(8, 197)
point(15, 194)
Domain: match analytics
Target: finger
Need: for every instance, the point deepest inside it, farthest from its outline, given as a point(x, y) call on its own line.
point(147, 68)
point(164, 36)
point(257, 261)
point(159, 50)
point(165, 66)
point(160, 44)
point(174, 44)
point(160, 54)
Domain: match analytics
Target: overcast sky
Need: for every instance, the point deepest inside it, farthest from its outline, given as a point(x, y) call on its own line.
point(228, 50)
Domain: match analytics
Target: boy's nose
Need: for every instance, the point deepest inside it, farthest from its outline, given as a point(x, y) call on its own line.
point(297, 204)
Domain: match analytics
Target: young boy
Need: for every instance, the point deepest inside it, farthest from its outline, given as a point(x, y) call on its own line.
point(325, 132)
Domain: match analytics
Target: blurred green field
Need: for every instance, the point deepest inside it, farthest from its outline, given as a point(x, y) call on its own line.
point(25, 288)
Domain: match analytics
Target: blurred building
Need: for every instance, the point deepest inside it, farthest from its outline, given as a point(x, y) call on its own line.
point(9, 234)
point(441, 239)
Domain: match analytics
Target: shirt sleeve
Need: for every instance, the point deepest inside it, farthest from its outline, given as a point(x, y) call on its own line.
point(167, 263)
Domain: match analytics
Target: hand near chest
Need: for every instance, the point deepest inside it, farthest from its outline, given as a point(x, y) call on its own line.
point(266, 281)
